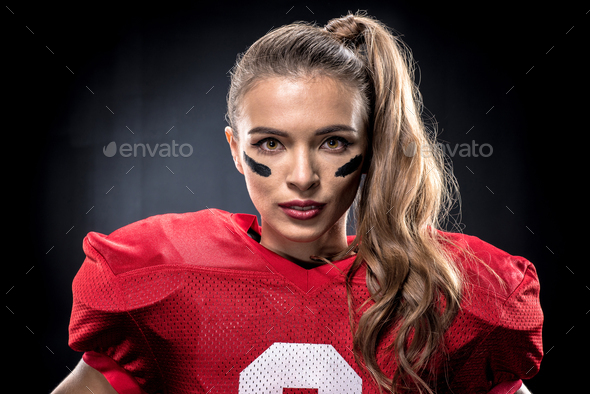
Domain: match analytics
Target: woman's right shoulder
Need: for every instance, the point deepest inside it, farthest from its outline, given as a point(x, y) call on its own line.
point(165, 239)
point(145, 261)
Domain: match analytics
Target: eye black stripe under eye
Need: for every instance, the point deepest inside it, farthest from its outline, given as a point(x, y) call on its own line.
point(350, 167)
point(256, 167)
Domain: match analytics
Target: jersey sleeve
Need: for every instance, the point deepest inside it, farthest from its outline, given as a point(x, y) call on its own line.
point(514, 346)
point(102, 326)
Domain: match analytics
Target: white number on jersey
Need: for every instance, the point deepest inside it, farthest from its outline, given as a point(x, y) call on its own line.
point(300, 365)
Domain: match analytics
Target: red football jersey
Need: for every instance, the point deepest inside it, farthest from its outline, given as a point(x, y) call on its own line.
point(190, 303)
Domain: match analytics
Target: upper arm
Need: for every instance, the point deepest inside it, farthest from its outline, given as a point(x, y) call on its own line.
point(84, 379)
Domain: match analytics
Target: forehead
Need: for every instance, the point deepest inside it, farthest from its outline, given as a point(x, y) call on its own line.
point(300, 104)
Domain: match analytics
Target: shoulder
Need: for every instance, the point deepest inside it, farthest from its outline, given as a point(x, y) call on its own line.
point(487, 266)
point(498, 328)
point(167, 239)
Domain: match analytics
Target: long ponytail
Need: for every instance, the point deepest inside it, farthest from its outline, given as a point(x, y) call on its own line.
point(405, 192)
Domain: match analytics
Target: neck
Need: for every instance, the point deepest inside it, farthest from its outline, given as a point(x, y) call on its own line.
point(331, 243)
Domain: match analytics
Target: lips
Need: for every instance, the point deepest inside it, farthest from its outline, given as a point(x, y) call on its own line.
point(302, 210)
point(307, 204)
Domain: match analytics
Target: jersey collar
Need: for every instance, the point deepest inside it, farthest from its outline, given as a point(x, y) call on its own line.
point(306, 280)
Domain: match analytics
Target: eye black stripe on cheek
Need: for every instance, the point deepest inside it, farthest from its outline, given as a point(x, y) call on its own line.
point(258, 168)
point(350, 167)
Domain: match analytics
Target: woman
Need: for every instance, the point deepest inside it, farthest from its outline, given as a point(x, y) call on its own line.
point(211, 301)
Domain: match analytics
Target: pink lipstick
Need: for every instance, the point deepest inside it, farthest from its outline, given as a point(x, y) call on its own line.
point(302, 210)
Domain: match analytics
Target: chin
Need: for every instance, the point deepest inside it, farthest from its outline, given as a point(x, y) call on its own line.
point(303, 235)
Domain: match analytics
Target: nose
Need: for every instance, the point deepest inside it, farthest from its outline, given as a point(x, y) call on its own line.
point(303, 173)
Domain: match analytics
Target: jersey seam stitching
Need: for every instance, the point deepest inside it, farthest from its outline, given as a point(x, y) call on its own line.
point(150, 347)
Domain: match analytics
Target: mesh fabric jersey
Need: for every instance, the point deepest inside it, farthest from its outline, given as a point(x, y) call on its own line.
point(189, 303)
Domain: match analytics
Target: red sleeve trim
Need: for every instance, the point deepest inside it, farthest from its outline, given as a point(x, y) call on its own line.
point(119, 378)
point(506, 387)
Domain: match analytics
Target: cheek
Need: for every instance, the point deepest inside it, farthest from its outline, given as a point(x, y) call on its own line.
point(343, 188)
point(260, 188)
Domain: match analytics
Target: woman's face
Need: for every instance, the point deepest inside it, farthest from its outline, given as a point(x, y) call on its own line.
point(301, 148)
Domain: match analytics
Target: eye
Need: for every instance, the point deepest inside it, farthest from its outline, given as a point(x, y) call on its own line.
point(272, 144)
point(268, 145)
point(336, 144)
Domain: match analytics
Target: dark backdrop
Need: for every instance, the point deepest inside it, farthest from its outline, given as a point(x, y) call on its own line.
point(76, 78)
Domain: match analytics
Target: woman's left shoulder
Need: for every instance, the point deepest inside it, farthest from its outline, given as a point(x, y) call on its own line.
point(488, 266)
point(498, 329)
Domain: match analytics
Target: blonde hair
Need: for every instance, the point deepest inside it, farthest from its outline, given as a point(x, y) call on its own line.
point(405, 193)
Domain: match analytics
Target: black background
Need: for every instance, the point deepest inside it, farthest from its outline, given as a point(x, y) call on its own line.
point(512, 75)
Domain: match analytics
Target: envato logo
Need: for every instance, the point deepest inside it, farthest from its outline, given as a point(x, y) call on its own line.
point(163, 150)
point(461, 150)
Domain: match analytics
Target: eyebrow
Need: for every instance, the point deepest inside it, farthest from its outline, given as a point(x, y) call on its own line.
point(321, 131)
